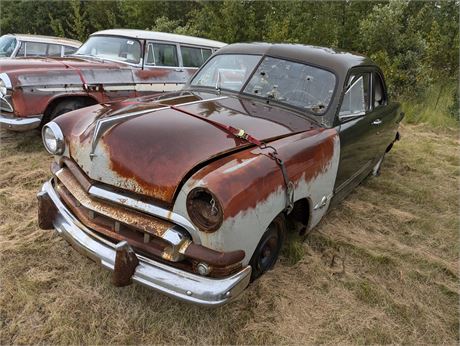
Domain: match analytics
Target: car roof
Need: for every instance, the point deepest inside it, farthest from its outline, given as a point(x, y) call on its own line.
point(46, 39)
point(333, 59)
point(161, 36)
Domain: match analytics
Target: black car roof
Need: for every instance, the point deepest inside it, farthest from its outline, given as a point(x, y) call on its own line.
point(332, 59)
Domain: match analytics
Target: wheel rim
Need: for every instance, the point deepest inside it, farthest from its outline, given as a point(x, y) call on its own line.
point(268, 253)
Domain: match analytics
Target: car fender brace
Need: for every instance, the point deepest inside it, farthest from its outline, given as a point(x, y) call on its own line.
point(240, 133)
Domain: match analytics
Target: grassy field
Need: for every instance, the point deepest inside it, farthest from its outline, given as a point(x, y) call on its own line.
point(381, 268)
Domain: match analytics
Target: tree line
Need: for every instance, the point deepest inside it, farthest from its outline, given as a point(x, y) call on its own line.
point(415, 42)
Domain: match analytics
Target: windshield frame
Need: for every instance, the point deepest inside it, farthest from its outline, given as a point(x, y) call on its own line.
point(264, 99)
point(141, 47)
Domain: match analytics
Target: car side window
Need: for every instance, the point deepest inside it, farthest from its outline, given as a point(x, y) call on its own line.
point(379, 91)
point(69, 50)
point(356, 98)
point(54, 50)
point(194, 57)
point(33, 49)
point(160, 54)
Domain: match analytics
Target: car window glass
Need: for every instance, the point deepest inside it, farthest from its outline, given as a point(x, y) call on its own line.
point(160, 54)
point(356, 98)
point(379, 94)
point(194, 57)
point(34, 48)
point(69, 50)
point(113, 48)
point(22, 50)
point(7, 45)
point(226, 71)
point(292, 83)
point(54, 50)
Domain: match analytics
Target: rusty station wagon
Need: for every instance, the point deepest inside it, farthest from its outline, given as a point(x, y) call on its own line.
point(110, 65)
point(20, 45)
point(189, 193)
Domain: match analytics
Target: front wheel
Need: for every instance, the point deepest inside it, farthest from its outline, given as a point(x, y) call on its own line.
point(268, 249)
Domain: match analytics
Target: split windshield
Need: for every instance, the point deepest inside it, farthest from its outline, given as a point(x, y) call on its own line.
point(7, 45)
point(291, 83)
point(112, 48)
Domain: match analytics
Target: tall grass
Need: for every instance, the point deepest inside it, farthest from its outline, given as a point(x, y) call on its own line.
point(434, 108)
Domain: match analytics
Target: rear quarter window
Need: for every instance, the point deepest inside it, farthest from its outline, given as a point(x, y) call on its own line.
point(194, 57)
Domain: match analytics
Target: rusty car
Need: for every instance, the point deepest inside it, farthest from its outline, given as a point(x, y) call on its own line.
point(23, 45)
point(111, 64)
point(189, 193)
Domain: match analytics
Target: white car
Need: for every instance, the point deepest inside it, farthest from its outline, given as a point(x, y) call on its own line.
point(18, 45)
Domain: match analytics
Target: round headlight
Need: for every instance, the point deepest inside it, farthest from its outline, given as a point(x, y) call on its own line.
point(53, 139)
point(204, 209)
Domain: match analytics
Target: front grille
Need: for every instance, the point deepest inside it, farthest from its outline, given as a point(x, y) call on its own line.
point(112, 221)
point(5, 104)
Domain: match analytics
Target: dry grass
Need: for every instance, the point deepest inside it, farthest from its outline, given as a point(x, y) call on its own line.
point(381, 268)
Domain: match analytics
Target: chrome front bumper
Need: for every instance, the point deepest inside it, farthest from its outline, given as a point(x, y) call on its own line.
point(166, 279)
point(19, 124)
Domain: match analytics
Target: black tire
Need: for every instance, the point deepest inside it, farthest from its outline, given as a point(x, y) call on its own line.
point(268, 249)
point(65, 106)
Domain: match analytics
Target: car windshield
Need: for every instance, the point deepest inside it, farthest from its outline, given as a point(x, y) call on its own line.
point(7, 45)
point(287, 82)
point(112, 48)
point(226, 71)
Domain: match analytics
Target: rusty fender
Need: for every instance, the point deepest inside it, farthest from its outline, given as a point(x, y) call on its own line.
point(251, 189)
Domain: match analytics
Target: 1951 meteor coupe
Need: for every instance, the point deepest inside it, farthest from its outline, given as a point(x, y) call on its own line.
point(189, 193)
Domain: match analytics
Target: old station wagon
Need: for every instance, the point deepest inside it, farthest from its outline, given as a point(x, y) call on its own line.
point(189, 193)
point(110, 65)
point(19, 45)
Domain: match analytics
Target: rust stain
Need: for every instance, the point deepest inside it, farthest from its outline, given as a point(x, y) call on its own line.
point(307, 155)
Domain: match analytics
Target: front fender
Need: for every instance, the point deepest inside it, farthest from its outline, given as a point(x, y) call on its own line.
point(250, 186)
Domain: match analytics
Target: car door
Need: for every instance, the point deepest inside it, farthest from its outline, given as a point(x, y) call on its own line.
point(358, 132)
point(162, 70)
point(387, 115)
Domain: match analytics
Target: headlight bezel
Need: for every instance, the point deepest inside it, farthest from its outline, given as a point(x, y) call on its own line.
point(53, 129)
point(201, 218)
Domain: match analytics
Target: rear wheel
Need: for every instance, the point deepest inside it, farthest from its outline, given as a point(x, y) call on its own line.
point(65, 106)
point(268, 249)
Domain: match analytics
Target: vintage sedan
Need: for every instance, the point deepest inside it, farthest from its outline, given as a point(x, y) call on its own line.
point(189, 193)
point(21, 45)
point(110, 65)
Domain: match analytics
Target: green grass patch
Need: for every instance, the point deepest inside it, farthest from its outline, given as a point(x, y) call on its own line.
point(434, 108)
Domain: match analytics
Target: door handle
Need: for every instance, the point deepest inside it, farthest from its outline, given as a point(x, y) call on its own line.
point(377, 122)
point(179, 70)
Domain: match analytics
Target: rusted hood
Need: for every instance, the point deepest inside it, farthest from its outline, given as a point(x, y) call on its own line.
point(153, 152)
point(49, 71)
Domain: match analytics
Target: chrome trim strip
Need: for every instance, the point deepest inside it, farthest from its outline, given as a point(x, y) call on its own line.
point(104, 124)
point(4, 100)
point(20, 124)
point(147, 208)
point(349, 180)
point(166, 279)
point(6, 80)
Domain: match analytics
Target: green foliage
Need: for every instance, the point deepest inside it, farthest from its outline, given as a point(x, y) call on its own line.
point(415, 42)
point(438, 106)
